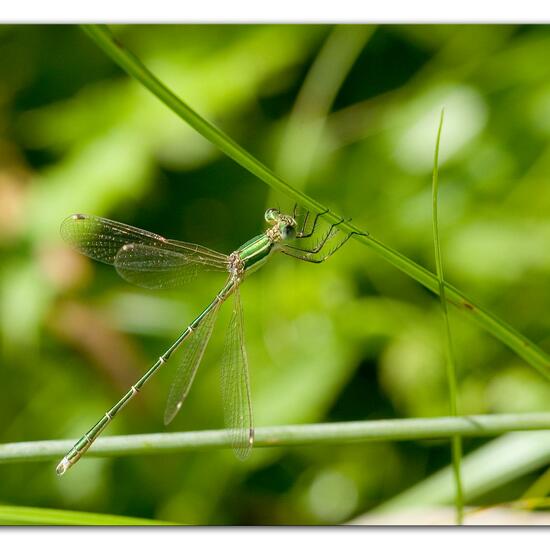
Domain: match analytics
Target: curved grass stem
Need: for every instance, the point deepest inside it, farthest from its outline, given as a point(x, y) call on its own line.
point(521, 345)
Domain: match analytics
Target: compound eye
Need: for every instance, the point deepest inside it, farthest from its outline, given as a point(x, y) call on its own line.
point(288, 232)
point(271, 215)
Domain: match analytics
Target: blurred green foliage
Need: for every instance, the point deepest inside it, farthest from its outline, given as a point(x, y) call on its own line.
point(350, 339)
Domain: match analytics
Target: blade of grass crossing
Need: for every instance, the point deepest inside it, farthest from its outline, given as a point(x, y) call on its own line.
point(456, 441)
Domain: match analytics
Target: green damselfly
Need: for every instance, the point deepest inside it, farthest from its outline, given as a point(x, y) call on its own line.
point(152, 261)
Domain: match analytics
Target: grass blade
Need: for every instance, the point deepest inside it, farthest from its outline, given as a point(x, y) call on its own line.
point(492, 466)
point(24, 515)
point(456, 442)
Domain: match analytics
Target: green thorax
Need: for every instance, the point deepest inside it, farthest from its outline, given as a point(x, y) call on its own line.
point(254, 253)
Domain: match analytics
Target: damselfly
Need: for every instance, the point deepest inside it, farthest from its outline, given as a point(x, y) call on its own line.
point(151, 261)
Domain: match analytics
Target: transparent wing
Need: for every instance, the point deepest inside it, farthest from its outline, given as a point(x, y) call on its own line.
point(193, 349)
point(101, 239)
point(236, 385)
point(154, 267)
point(140, 257)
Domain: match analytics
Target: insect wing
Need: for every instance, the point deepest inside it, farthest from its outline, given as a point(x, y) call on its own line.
point(236, 385)
point(193, 349)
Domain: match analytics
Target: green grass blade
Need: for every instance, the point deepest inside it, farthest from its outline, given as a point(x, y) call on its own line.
point(456, 442)
point(492, 466)
point(280, 436)
point(23, 515)
point(526, 349)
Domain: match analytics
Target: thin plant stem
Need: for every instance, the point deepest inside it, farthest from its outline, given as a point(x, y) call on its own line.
point(282, 436)
point(456, 442)
point(524, 348)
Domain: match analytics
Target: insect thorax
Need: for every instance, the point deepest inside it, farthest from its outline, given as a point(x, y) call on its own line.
point(236, 266)
point(274, 234)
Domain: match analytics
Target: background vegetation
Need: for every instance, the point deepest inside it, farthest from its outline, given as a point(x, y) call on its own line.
point(348, 114)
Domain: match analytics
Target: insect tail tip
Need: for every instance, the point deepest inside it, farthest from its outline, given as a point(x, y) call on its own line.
point(63, 466)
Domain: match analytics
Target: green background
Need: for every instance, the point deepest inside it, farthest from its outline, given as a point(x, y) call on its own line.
point(348, 114)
